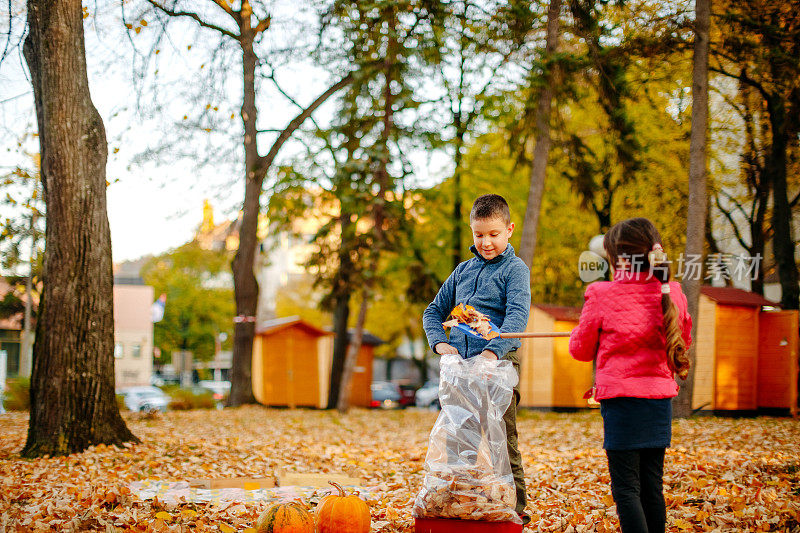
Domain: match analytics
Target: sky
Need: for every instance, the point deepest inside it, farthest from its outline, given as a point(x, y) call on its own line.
point(151, 207)
point(157, 204)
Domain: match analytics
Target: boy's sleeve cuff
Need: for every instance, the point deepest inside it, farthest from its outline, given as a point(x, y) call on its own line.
point(433, 341)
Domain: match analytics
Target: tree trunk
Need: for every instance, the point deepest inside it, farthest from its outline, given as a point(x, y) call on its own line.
point(696, 218)
point(757, 237)
point(760, 185)
point(782, 242)
point(341, 315)
point(352, 355)
point(542, 149)
point(244, 280)
point(73, 405)
point(382, 178)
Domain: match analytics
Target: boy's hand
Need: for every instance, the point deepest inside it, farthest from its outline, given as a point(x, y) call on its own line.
point(488, 354)
point(444, 349)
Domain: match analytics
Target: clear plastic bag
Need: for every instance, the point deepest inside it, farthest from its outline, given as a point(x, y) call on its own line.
point(467, 470)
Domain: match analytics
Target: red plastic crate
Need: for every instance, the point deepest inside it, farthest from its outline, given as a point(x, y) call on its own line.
point(444, 525)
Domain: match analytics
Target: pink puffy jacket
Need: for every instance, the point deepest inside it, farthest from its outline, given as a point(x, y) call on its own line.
point(621, 325)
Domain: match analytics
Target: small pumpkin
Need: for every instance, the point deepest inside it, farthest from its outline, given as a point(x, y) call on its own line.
point(285, 518)
point(341, 513)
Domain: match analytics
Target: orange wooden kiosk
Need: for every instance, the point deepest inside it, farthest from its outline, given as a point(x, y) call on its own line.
point(746, 353)
point(292, 365)
point(550, 377)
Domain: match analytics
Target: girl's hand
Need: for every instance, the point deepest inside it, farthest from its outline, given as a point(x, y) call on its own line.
point(445, 349)
point(488, 354)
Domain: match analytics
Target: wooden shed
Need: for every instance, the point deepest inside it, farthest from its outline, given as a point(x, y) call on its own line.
point(746, 353)
point(550, 377)
point(360, 386)
point(292, 365)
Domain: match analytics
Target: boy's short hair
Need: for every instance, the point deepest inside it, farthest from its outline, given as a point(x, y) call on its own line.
point(490, 206)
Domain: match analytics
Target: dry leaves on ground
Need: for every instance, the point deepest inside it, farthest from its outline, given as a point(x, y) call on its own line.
point(720, 475)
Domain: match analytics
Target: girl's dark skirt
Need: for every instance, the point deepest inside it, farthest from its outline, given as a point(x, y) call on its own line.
point(636, 423)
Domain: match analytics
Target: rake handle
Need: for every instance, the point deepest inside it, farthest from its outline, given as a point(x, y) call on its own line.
point(527, 335)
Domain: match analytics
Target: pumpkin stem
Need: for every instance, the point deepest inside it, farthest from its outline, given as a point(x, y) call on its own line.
point(338, 487)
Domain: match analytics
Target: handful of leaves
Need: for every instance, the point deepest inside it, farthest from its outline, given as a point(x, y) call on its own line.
point(471, 320)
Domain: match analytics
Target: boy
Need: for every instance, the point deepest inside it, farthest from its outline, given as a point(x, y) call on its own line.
point(497, 283)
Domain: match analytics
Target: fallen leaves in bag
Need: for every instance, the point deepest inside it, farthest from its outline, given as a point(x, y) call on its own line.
point(466, 314)
point(468, 493)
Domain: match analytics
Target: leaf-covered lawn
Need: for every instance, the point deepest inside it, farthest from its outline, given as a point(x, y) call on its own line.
point(721, 474)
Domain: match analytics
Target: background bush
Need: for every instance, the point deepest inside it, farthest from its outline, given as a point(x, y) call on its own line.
point(184, 399)
point(17, 394)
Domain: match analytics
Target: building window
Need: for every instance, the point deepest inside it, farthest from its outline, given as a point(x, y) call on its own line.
point(12, 350)
point(136, 350)
point(118, 350)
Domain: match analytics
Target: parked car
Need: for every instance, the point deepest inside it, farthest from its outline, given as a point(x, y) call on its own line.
point(220, 389)
point(385, 395)
point(428, 395)
point(144, 399)
point(407, 395)
point(159, 380)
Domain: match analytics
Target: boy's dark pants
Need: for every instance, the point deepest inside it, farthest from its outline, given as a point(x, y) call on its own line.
point(636, 484)
point(510, 418)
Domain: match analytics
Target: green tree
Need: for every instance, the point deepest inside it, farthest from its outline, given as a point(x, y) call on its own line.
point(199, 302)
point(469, 47)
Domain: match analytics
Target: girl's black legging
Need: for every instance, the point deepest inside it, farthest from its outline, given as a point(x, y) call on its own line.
point(636, 484)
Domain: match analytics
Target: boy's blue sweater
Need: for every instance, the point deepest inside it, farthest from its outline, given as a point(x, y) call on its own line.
point(499, 288)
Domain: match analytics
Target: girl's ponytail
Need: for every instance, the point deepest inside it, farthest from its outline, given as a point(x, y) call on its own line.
point(677, 359)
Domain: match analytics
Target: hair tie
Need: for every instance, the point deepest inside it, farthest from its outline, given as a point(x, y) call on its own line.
point(665, 288)
point(657, 255)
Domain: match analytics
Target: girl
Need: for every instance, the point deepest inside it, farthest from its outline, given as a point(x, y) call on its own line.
point(638, 329)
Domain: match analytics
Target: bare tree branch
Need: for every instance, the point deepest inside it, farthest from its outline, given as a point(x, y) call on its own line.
point(262, 25)
point(735, 202)
point(266, 161)
point(744, 78)
point(194, 16)
point(8, 40)
point(729, 216)
point(286, 95)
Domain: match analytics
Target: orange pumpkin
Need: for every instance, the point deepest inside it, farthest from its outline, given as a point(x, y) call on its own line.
point(340, 513)
point(285, 518)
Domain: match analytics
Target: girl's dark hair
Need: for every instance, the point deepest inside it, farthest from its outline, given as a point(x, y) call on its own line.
point(630, 243)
